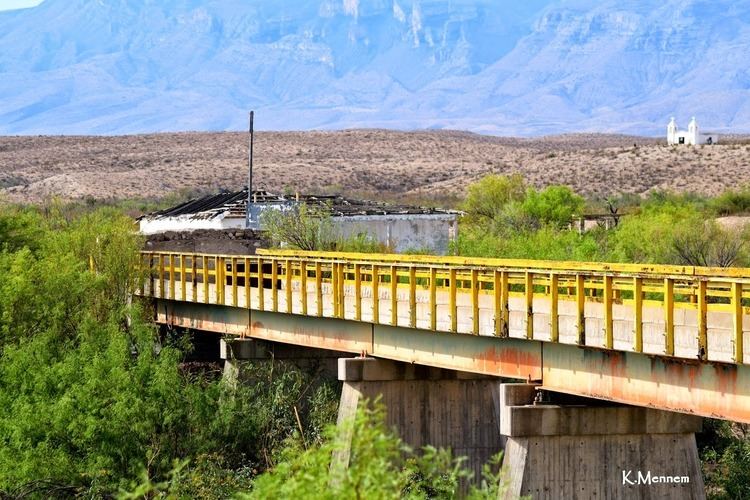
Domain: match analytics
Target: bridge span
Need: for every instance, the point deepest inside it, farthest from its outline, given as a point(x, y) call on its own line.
point(618, 362)
point(665, 337)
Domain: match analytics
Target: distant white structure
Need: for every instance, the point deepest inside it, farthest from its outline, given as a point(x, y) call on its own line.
point(692, 136)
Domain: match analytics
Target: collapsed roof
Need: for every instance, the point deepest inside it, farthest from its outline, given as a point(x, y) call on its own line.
point(234, 204)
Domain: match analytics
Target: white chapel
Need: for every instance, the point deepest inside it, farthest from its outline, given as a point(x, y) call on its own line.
point(692, 136)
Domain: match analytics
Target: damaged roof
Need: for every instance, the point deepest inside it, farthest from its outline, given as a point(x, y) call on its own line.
point(234, 204)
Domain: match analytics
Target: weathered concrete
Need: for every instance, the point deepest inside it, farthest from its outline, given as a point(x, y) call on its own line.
point(555, 451)
point(427, 406)
point(237, 353)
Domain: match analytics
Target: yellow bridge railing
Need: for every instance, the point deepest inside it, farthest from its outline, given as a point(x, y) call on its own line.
point(674, 311)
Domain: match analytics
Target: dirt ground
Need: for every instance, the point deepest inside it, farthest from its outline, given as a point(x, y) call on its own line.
point(425, 164)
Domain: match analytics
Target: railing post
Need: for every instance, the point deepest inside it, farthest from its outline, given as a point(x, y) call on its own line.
point(303, 284)
point(341, 290)
point(554, 304)
point(638, 313)
point(261, 292)
point(183, 281)
point(172, 266)
point(475, 301)
point(433, 299)
point(452, 299)
point(581, 309)
point(235, 299)
point(319, 288)
point(394, 296)
point(274, 285)
point(608, 319)
point(206, 289)
point(412, 297)
point(375, 294)
point(669, 317)
point(335, 286)
point(288, 283)
point(737, 323)
point(247, 283)
point(221, 283)
point(161, 276)
point(529, 292)
point(358, 292)
point(194, 276)
point(702, 320)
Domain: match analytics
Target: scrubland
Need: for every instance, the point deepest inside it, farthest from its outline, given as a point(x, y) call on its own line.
point(425, 164)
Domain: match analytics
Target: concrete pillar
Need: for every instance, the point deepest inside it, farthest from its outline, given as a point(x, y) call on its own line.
point(237, 352)
point(578, 451)
point(427, 406)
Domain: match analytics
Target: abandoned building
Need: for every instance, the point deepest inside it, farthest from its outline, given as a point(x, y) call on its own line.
point(399, 227)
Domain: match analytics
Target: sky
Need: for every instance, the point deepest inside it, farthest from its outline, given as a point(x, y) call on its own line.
point(18, 4)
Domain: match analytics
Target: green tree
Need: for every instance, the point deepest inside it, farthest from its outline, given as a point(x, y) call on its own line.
point(554, 205)
point(487, 198)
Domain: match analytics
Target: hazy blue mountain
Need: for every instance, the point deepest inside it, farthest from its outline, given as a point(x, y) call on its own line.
point(498, 66)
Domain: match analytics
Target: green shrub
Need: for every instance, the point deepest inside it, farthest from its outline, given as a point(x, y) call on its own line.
point(732, 202)
point(363, 459)
point(487, 198)
point(554, 205)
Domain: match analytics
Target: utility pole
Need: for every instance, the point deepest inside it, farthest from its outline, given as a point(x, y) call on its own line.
point(250, 171)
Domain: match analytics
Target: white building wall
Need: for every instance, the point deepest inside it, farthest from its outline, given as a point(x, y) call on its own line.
point(183, 223)
point(431, 233)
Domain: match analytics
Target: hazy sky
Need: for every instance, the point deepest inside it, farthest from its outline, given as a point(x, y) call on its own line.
point(17, 4)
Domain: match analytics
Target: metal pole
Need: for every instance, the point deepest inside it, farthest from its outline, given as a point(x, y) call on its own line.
point(250, 172)
point(250, 159)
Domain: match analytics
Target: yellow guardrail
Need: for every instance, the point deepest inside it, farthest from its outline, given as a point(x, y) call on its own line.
point(180, 276)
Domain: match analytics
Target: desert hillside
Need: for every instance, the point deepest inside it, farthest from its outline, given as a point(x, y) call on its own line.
point(432, 163)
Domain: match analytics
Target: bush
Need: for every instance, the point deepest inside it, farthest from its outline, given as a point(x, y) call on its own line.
point(547, 243)
point(487, 198)
point(680, 234)
point(732, 202)
point(91, 396)
point(554, 205)
point(363, 459)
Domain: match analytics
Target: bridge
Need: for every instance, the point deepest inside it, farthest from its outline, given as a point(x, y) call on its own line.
point(659, 338)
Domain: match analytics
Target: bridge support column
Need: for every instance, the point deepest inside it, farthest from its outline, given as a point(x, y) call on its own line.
point(427, 406)
point(577, 449)
point(238, 352)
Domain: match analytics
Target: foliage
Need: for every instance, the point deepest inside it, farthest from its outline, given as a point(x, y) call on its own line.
point(308, 227)
point(91, 396)
point(725, 455)
point(504, 205)
point(301, 226)
point(546, 243)
point(487, 198)
point(732, 202)
point(676, 233)
point(554, 205)
point(363, 459)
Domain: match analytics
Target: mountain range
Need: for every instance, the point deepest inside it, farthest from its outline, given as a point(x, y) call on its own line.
point(490, 66)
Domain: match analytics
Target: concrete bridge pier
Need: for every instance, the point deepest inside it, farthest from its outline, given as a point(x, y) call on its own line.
point(427, 406)
point(589, 449)
point(237, 353)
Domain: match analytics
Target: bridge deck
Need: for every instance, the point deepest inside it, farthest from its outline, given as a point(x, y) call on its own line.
point(664, 336)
